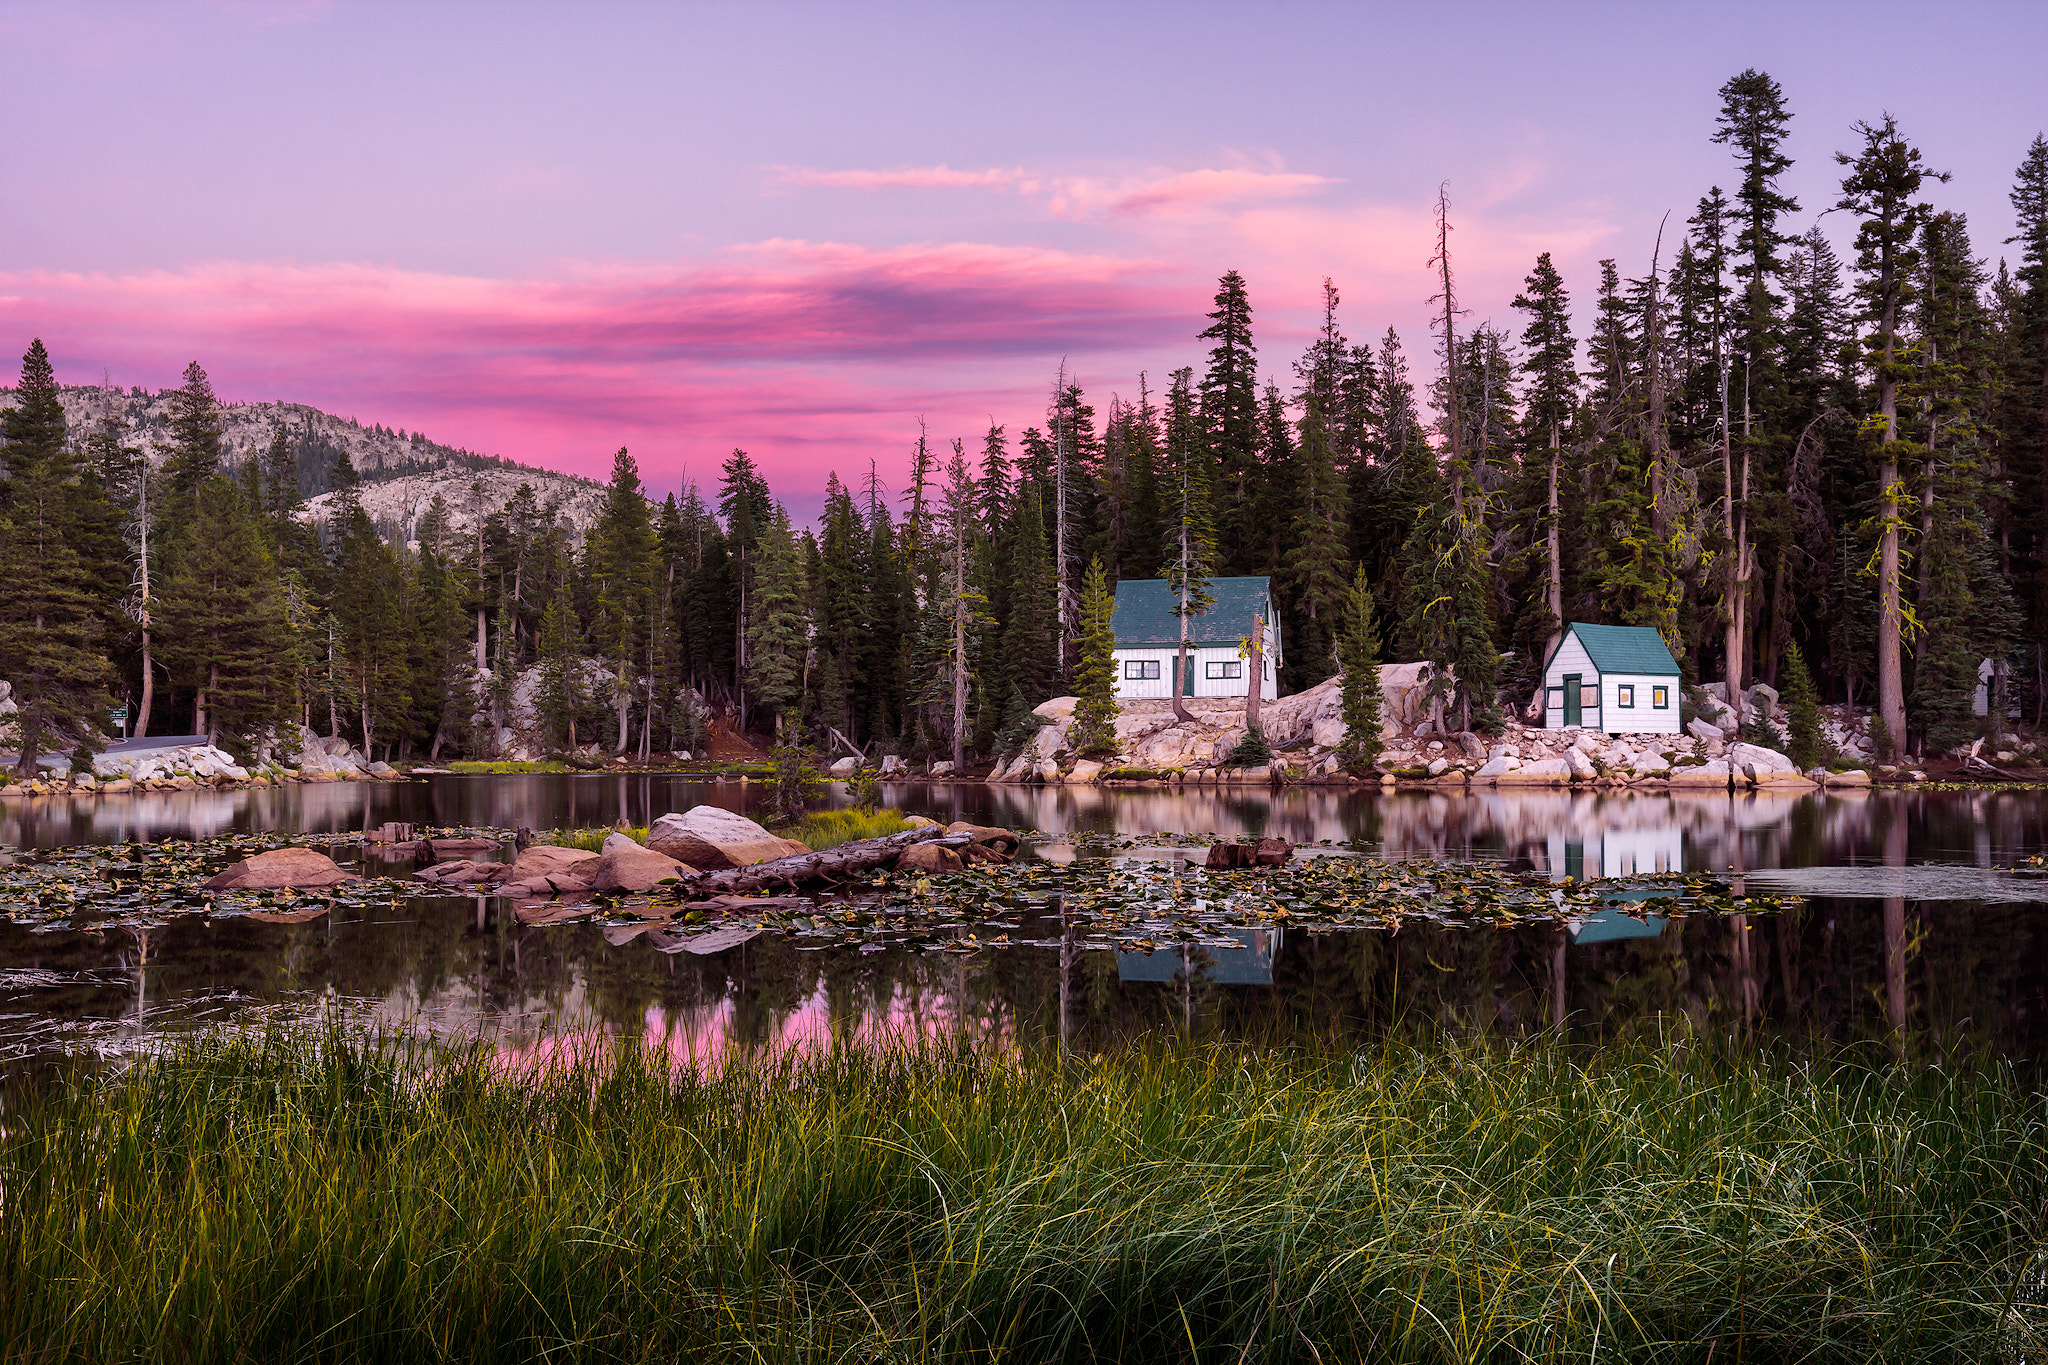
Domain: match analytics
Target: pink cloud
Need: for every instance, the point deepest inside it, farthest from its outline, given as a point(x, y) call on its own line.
point(810, 354)
point(1150, 192)
point(939, 177)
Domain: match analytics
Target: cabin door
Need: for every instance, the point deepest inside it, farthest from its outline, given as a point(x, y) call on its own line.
point(1573, 715)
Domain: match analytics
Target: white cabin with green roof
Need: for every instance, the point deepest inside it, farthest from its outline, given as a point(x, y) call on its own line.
point(1620, 680)
point(1148, 639)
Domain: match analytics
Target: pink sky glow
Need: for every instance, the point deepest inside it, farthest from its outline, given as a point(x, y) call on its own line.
point(799, 228)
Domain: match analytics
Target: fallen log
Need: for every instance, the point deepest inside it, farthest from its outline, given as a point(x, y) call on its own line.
point(836, 863)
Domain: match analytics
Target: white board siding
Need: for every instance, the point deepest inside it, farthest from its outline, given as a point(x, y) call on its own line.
point(1610, 717)
point(1643, 718)
point(1205, 686)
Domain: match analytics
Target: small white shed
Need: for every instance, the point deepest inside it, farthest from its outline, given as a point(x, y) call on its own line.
point(1618, 679)
point(1147, 626)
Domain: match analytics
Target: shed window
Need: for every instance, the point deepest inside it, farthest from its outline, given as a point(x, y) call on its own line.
point(1553, 698)
point(1625, 695)
point(1660, 698)
point(1225, 668)
point(1589, 696)
point(1145, 669)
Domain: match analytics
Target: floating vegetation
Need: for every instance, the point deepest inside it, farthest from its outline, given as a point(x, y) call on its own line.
point(152, 883)
point(1115, 891)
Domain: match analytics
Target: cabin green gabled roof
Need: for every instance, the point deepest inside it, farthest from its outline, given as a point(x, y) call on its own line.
point(1623, 649)
point(1145, 612)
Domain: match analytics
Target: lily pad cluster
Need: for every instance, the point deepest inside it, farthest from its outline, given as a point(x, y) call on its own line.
point(1107, 892)
point(152, 883)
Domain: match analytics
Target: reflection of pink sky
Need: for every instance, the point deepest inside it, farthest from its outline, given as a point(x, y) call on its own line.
point(701, 1039)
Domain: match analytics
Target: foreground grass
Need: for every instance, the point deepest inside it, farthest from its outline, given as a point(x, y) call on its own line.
point(831, 828)
point(303, 1198)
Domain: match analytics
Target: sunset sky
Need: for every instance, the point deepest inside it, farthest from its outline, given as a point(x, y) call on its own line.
point(547, 231)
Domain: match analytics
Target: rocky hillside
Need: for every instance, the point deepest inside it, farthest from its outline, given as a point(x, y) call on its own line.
point(401, 471)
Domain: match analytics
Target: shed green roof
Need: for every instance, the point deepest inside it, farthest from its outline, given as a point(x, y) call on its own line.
point(1145, 612)
point(1624, 649)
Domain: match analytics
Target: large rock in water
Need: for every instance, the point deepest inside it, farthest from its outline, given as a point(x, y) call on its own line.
point(626, 866)
point(710, 837)
point(299, 868)
point(547, 860)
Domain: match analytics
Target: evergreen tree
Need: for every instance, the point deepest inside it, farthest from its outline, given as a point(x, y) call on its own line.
point(1802, 711)
point(195, 451)
point(776, 643)
point(1095, 711)
point(1358, 649)
point(51, 632)
point(1883, 179)
point(559, 699)
point(1315, 558)
point(1549, 351)
point(1945, 678)
point(1189, 554)
point(225, 626)
point(1230, 413)
point(619, 558)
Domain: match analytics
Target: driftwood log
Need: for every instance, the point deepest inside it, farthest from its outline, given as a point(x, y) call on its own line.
point(826, 864)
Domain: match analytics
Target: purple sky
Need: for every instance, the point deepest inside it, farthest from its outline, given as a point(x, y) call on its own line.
point(548, 231)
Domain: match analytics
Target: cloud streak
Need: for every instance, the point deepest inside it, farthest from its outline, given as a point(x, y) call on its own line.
point(1152, 192)
point(809, 353)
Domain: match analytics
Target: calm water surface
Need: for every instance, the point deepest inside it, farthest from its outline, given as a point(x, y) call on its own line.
point(1910, 922)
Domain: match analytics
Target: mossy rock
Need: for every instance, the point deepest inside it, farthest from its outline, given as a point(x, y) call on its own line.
point(1411, 774)
point(1130, 775)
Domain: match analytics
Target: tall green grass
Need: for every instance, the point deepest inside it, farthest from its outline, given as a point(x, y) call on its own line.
point(298, 1197)
point(830, 828)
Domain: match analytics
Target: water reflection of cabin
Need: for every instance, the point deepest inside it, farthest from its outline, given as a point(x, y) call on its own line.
point(1613, 852)
point(1250, 965)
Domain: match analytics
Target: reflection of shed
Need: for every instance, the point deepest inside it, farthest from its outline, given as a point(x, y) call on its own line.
point(1618, 852)
point(1249, 965)
point(1612, 926)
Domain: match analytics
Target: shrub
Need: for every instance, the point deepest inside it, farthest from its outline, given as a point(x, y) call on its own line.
point(1252, 751)
point(792, 782)
point(865, 787)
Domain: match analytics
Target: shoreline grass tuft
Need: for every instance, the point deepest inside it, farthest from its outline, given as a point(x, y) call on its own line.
point(822, 829)
point(300, 1196)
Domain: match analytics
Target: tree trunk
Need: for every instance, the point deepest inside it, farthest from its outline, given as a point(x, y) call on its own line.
point(211, 726)
point(480, 656)
point(1255, 690)
point(959, 651)
point(148, 684)
point(1553, 542)
point(1891, 691)
point(1180, 662)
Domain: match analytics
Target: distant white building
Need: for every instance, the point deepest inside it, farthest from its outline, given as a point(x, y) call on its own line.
point(1620, 680)
point(1148, 639)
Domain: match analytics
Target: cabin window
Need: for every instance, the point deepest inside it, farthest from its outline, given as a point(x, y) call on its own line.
point(1225, 668)
point(1660, 698)
point(1553, 699)
point(1625, 695)
point(1141, 669)
point(1589, 696)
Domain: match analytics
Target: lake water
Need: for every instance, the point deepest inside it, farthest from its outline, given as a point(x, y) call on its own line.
point(1911, 925)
